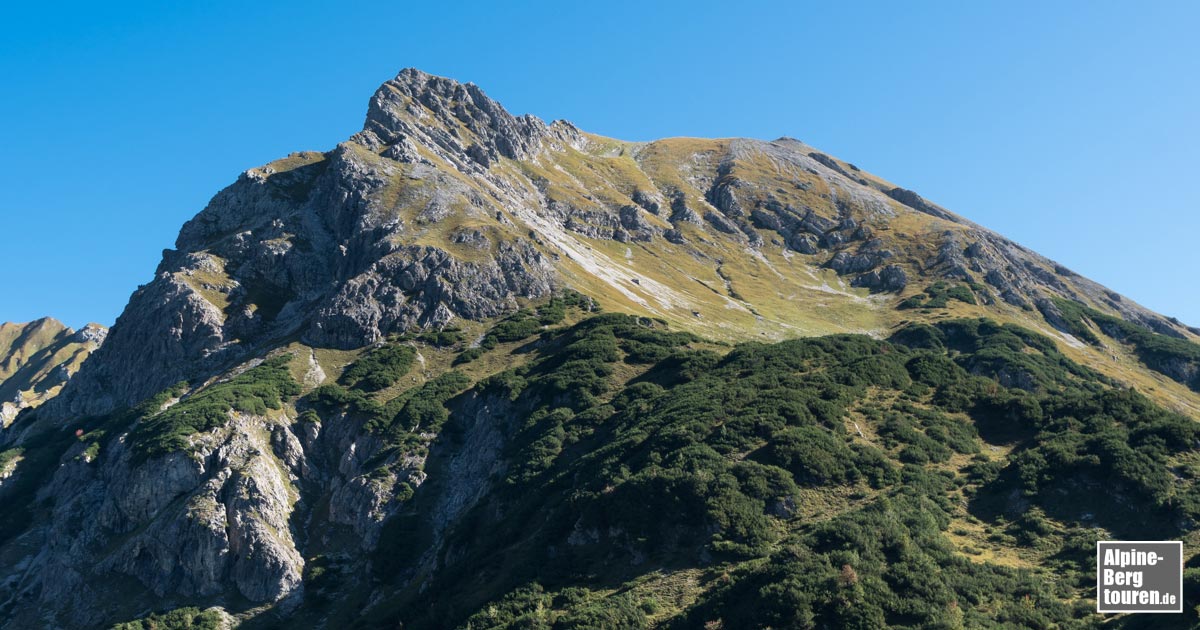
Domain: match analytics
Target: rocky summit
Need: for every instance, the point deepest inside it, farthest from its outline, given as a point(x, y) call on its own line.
point(476, 370)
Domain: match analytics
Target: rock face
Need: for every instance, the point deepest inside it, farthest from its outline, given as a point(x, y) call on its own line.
point(413, 109)
point(444, 208)
point(229, 518)
point(214, 523)
point(890, 278)
point(426, 286)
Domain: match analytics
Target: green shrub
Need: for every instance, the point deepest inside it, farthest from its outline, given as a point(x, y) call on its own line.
point(938, 295)
point(380, 368)
point(618, 612)
point(178, 619)
point(443, 338)
point(1177, 358)
point(252, 392)
point(422, 409)
point(468, 355)
point(813, 455)
point(330, 398)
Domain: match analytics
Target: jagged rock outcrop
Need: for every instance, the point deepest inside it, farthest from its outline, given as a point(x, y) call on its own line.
point(890, 278)
point(213, 522)
point(423, 287)
point(400, 109)
point(915, 201)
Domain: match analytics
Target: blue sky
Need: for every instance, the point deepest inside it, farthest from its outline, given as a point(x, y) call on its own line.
point(1070, 127)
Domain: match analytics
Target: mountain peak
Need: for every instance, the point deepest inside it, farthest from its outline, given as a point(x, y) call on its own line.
point(447, 207)
point(445, 115)
point(374, 380)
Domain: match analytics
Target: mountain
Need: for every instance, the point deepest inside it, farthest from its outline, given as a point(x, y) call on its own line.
point(37, 359)
point(472, 370)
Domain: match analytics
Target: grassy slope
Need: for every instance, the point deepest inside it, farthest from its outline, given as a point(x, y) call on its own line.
point(32, 357)
point(785, 294)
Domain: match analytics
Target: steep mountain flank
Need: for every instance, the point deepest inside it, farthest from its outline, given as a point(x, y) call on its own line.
point(471, 370)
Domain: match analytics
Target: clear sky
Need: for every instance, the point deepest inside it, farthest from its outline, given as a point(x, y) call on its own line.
point(1070, 127)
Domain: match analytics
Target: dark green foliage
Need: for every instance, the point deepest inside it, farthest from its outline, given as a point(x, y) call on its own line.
point(422, 409)
point(521, 325)
point(937, 295)
point(874, 466)
point(916, 447)
point(468, 355)
point(380, 368)
point(886, 565)
point(619, 612)
point(1116, 439)
point(960, 293)
point(530, 607)
point(418, 410)
point(329, 398)
point(933, 369)
point(702, 459)
point(253, 392)
point(522, 608)
point(179, 619)
point(920, 336)
point(700, 453)
point(554, 311)
point(578, 364)
point(1012, 355)
point(443, 338)
point(1175, 357)
point(958, 435)
point(814, 455)
point(1072, 428)
point(1074, 314)
point(526, 322)
point(546, 435)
